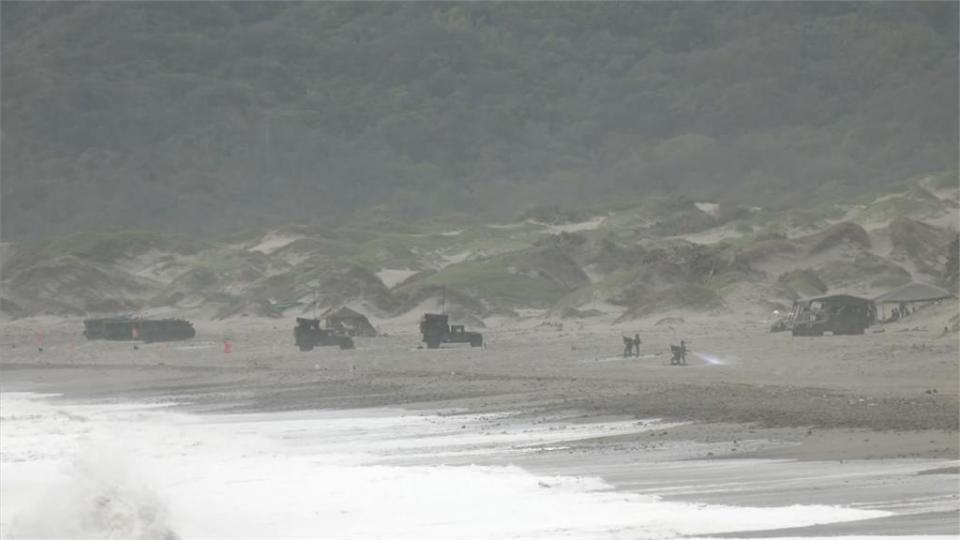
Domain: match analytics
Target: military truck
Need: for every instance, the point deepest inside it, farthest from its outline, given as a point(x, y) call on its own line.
point(133, 329)
point(435, 330)
point(838, 314)
point(308, 334)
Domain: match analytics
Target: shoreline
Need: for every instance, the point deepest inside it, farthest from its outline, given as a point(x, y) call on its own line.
point(661, 459)
point(826, 411)
point(809, 434)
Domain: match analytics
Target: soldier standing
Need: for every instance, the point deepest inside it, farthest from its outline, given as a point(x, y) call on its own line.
point(627, 346)
point(636, 345)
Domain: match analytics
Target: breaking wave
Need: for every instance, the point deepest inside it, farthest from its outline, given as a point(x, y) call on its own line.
point(99, 498)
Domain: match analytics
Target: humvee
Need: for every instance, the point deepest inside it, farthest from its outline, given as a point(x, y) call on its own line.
point(837, 314)
point(131, 329)
point(435, 330)
point(308, 334)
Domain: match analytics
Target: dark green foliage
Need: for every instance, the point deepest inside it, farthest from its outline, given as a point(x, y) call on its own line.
point(766, 246)
point(926, 246)
point(573, 313)
point(951, 273)
point(219, 117)
point(865, 268)
point(802, 283)
point(608, 255)
point(70, 284)
point(103, 248)
point(457, 303)
point(553, 215)
point(563, 241)
point(841, 234)
point(947, 180)
point(687, 297)
point(704, 268)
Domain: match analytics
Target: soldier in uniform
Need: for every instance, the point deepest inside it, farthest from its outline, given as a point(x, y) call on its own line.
point(636, 345)
point(679, 354)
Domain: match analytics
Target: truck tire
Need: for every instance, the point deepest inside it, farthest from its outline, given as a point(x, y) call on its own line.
point(431, 344)
point(476, 342)
point(345, 343)
point(304, 347)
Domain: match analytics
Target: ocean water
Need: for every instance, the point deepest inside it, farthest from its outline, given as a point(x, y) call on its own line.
point(134, 470)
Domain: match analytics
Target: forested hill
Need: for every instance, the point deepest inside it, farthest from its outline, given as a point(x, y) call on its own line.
point(213, 117)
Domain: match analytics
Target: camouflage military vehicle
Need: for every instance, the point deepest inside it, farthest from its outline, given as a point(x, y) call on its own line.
point(837, 314)
point(435, 331)
point(308, 334)
point(131, 329)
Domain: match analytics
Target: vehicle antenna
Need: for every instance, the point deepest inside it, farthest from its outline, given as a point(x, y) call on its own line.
point(314, 302)
point(443, 300)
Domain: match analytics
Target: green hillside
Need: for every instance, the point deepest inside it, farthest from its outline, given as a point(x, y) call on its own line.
point(620, 262)
point(215, 117)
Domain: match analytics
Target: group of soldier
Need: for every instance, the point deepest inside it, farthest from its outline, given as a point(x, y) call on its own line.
point(899, 312)
point(631, 347)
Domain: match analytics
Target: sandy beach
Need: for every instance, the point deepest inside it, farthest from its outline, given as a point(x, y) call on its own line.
point(368, 270)
point(756, 420)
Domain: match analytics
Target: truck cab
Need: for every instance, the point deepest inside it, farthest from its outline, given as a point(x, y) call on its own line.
point(309, 334)
point(434, 329)
point(838, 314)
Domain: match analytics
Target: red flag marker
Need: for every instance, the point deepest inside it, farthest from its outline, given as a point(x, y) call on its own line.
point(227, 347)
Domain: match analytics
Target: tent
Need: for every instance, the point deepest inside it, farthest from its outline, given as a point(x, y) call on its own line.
point(910, 294)
point(355, 323)
point(914, 292)
point(838, 299)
